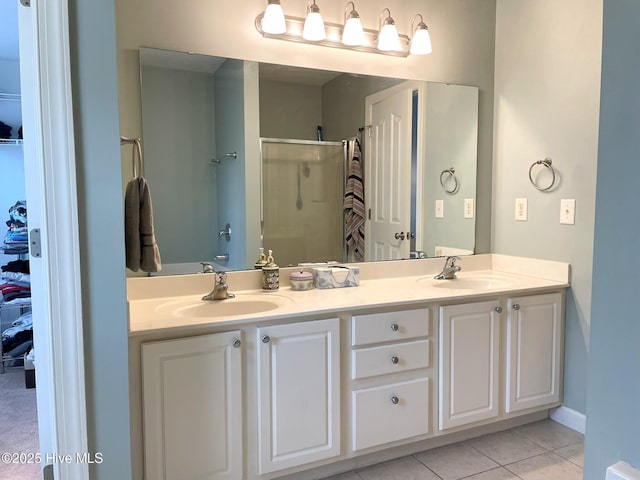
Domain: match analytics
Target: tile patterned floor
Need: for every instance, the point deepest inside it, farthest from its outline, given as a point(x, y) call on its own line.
point(543, 450)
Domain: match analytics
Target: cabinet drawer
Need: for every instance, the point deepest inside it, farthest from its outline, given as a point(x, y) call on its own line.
point(399, 357)
point(389, 413)
point(390, 326)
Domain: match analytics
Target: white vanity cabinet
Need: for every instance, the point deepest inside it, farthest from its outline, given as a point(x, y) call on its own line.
point(534, 351)
point(192, 397)
point(469, 364)
point(389, 407)
point(298, 393)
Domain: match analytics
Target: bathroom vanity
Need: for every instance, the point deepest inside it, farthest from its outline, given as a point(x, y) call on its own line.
point(311, 383)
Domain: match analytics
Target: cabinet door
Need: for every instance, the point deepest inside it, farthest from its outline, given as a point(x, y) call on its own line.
point(534, 351)
point(192, 400)
point(299, 393)
point(469, 363)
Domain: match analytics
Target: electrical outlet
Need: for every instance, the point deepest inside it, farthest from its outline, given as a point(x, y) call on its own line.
point(468, 208)
point(439, 208)
point(568, 211)
point(521, 209)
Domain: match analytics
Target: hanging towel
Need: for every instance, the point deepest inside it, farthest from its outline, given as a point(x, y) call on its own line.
point(140, 242)
point(353, 204)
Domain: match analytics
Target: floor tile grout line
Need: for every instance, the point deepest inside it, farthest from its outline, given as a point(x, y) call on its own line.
point(425, 465)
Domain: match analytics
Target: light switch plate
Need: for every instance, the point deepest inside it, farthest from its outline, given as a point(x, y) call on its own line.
point(468, 208)
point(521, 209)
point(439, 208)
point(568, 211)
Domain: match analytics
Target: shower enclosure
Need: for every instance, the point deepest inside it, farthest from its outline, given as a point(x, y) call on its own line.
point(302, 195)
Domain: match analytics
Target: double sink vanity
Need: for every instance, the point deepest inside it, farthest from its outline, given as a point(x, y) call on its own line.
point(306, 384)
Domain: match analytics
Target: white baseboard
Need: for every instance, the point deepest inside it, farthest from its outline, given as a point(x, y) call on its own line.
point(569, 418)
point(622, 471)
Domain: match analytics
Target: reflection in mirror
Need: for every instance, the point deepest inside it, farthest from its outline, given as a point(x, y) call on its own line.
point(197, 110)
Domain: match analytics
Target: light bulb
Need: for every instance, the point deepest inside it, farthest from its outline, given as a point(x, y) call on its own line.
point(388, 39)
point(313, 25)
point(273, 20)
point(421, 42)
point(352, 33)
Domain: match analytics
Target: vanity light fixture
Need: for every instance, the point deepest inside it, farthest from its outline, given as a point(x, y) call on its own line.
point(273, 20)
point(352, 34)
point(313, 30)
point(349, 35)
point(388, 39)
point(421, 41)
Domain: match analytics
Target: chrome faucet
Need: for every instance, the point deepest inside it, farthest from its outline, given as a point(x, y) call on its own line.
point(220, 288)
point(450, 269)
point(207, 267)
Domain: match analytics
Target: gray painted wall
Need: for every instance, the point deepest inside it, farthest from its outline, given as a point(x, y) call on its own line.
point(547, 86)
point(100, 207)
point(178, 112)
point(613, 394)
point(289, 110)
point(451, 129)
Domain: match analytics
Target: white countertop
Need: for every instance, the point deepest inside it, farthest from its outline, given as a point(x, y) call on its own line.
point(382, 284)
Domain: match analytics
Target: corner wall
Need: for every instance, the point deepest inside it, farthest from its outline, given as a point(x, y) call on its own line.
point(547, 84)
point(613, 394)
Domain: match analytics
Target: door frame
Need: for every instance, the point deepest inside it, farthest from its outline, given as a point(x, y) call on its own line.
point(370, 100)
point(50, 169)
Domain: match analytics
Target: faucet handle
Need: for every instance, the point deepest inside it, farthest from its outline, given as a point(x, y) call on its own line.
point(221, 277)
point(451, 261)
point(207, 267)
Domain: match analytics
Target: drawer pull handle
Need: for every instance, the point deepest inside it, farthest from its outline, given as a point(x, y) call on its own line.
point(394, 359)
point(394, 327)
point(236, 343)
point(498, 309)
point(516, 306)
point(395, 400)
point(266, 339)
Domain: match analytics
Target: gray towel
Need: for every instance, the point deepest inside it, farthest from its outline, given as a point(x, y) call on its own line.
point(140, 242)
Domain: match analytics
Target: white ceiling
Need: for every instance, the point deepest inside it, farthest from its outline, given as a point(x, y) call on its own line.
point(9, 29)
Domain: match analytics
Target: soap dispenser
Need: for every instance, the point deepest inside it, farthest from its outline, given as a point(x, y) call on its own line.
point(262, 260)
point(270, 274)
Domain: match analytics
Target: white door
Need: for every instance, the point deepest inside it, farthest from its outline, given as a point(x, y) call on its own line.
point(192, 402)
point(299, 393)
point(388, 172)
point(469, 363)
point(534, 351)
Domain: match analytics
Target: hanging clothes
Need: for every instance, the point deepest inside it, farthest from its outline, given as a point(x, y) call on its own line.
point(140, 242)
point(353, 205)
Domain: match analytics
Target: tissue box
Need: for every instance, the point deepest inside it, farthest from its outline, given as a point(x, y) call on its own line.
point(336, 277)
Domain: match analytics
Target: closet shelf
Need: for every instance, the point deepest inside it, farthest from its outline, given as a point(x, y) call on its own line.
point(11, 141)
point(11, 97)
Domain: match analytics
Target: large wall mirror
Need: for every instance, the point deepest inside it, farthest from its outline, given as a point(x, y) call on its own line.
point(241, 155)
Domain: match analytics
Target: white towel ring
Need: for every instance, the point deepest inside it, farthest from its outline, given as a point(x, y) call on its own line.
point(446, 177)
point(547, 164)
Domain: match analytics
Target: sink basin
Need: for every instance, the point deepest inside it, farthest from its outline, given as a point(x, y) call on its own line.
point(472, 281)
point(242, 304)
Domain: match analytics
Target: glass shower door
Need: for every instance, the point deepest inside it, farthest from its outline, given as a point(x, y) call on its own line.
point(302, 195)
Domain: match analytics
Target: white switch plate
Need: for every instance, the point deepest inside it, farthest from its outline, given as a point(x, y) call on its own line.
point(568, 211)
point(468, 208)
point(439, 208)
point(521, 209)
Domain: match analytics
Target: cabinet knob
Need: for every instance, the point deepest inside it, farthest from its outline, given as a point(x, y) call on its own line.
point(395, 400)
point(498, 309)
point(266, 339)
point(394, 327)
point(236, 343)
point(516, 306)
point(394, 359)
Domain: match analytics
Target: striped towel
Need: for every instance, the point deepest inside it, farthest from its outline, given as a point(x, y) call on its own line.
point(353, 204)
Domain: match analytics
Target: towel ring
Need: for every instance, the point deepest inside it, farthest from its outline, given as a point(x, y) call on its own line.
point(547, 164)
point(227, 155)
point(446, 179)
